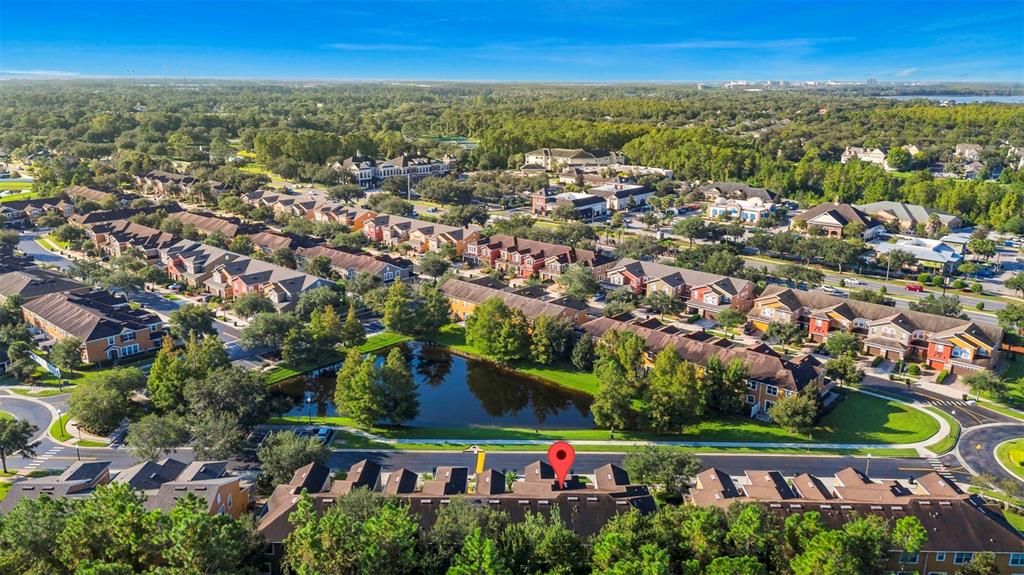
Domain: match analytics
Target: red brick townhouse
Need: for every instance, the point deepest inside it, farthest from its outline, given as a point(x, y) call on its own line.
point(770, 376)
point(423, 236)
point(107, 326)
point(527, 258)
point(192, 263)
point(349, 265)
point(953, 344)
point(120, 237)
point(704, 293)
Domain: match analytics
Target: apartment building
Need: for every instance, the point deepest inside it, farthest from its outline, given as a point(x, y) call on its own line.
point(30, 283)
point(122, 237)
point(205, 224)
point(465, 296)
point(77, 193)
point(959, 525)
point(349, 265)
point(107, 326)
point(160, 182)
point(943, 343)
point(527, 258)
point(770, 376)
point(424, 236)
point(704, 293)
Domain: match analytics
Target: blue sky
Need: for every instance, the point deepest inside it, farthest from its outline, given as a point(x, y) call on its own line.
point(525, 40)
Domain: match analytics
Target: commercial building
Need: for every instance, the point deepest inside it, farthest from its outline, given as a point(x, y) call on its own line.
point(556, 158)
point(833, 218)
point(909, 217)
point(749, 212)
point(932, 255)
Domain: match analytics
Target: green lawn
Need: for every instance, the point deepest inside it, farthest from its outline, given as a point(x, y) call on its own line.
point(950, 440)
point(91, 443)
point(5, 186)
point(56, 242)
point(1011, 455)
point(57, 428)
point(5, 487)
point(373, 343)
point(4, 415)
point(43, 392)
point(1015, 519)
point(19, 197)
point(862, 418)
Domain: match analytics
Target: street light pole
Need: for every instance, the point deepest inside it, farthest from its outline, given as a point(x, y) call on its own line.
point(78, 452)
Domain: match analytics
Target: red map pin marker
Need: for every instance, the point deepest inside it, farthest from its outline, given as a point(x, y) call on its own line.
point(561, 456)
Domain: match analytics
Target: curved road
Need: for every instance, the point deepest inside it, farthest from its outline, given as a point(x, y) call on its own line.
point(978, 444)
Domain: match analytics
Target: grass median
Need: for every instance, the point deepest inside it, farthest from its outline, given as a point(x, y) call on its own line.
point(1011, 455)
point(946, 443)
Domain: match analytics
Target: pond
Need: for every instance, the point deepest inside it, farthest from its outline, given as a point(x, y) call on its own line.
point(458, 392)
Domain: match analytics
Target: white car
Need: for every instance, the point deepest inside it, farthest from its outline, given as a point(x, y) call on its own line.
point(853, 282)
point(833, 291)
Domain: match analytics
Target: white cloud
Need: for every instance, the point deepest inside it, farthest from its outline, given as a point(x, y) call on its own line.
point(905, 73)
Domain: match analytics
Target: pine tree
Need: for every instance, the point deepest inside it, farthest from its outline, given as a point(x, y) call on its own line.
point(400, 396)
point(479, 556)
point(399, 312)
point(352, 332)
point(359, 391)
point(166, 380)
point(325, 328)
point(583, 353)
point(297, 348)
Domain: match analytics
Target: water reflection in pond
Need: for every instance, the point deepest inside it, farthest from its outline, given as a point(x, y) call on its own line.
point(456, 391)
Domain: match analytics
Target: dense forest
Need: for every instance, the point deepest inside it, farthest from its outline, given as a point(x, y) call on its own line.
point(789, 141)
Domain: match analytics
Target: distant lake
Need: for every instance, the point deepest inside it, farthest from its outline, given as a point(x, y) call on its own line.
point(963, 99)
point(459, 392)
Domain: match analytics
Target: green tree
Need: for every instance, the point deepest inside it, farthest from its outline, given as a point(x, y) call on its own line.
point(285, 258)
point(826, 554)
point(612, 407)
point(479, 556)
point(947, 305)
point(166, 380)
point(238, 392)
point(986, 382)
point(751, 530)
point(353, 334)
point(735, 566)
point(844, 370)
point(550, 339)
point(283, 452)
point(326, 328)
point(399, 309)
point(498, 331)
point(153, 436)
point(189, 320)
point(542, 543)
point(672, 396)
point(111, 525)
point(981, 564)
point(1011, 317)
point(669, 469)
point(435, 310)
point(268, 330)
point(908, 535)
point(241, 245)
point(898, 159)
point(67, 353)
point(785, 333)
point(434, 264)
point(730, 319)
point(843, 343)
point(1015, 282)
point(725, 385)
point(399, 394)
point(298, 347)
point(578, 282)
point(16, 437)
point(320, 266)
point(797, 412)
point(868, 543)
point(583, 353)
point(28, 536)
point(317, 298)
point(102, 405)
point(357, 392)
point(197, 541)
point(624, 546)
point(249, 304)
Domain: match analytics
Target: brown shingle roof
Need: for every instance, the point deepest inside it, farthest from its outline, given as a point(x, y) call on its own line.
point(477, 294)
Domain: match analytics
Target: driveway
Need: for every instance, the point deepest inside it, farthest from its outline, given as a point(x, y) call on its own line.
point(27, 243)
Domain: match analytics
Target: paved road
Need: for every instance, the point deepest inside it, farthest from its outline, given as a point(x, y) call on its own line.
point(880, 467)
point(227, 333)
point(977, 447)
point(27, 243)
point(967, 415)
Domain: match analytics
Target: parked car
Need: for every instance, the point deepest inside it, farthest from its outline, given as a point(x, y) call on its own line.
point(324, 434)
point(915, 287)
point(175, 287)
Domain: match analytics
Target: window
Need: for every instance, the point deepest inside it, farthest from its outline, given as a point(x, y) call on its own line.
point(767, 312)
point(939, 348)
point(768, 405)
point(111, 340)
point(940, 556)
point(751, 384)
point(388, 276)
point(128, 336)
point(154, 327)
point(710, 298)
point(961, 557)
point(771, 390)
point(961, 353)
point(1016, 559)
point(750, 399)
point(909, 558)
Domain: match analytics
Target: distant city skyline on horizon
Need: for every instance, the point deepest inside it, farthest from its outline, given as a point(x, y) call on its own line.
point(599, 41)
